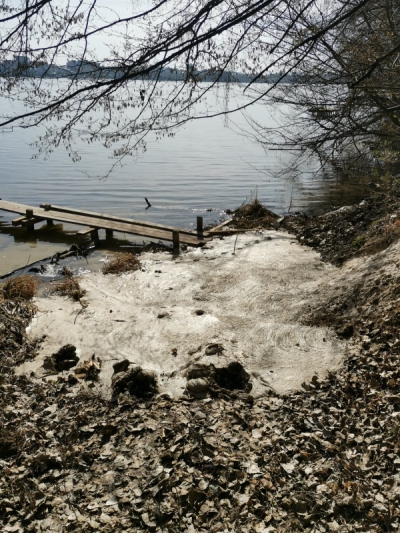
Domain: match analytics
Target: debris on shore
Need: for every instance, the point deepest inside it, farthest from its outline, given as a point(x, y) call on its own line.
point(324, 459)
point(20, 288)
point(16, 312)
point(121, 263)
point(253, 215)
point(351, 231)
point(69, 286)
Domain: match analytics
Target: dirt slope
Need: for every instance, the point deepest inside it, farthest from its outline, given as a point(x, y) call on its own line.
point(322, 459)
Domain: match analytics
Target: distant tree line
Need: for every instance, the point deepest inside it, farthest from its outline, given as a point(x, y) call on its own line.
point(344, 53)
point(24, 67)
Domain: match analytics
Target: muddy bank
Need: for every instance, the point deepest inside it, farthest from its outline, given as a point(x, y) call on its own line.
point(324, 458)
point(351, 231)
point(364, 240)
point(239, 299)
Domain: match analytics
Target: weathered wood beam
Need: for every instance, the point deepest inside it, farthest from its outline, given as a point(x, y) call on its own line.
point(109, 218)
point(219, 227)
point(175, 241)
point(31, 221)
point(17, 221)
point(85, 231)
point(121, 225)
point(199, 224)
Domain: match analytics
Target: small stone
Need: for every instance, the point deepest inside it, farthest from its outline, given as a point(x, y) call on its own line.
point(213, 349)
point(197, 385)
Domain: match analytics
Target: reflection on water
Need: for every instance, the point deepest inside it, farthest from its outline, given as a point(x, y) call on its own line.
point(332, 193)
point(205, 169)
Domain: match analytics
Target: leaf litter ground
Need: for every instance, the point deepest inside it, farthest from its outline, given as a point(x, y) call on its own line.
point(322, 459)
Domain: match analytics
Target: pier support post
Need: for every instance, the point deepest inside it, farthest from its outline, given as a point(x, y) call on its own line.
point(199, 224)
point(94, 235)
point(175, 242)
point(49, 222)
point(109, 233)
point(30, 227)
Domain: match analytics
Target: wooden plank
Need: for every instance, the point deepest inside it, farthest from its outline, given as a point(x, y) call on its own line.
point(229, 232)
point(17, 221)
point(159, 232)
point(102, 216)
point(85, 231)
point(26, 221)
point(219, 227)
point(30, 221)
point(152, 233)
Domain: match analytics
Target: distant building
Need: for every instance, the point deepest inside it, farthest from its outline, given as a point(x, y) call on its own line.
point(21, 60)
point(78, 66)
point(13, 67)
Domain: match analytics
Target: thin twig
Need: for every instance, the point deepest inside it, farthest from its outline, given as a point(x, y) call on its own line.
point(234, 248)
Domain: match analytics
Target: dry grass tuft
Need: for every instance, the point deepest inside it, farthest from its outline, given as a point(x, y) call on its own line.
point(20, 288)
point(121, 263)
point(253, 214)
point(70, 287)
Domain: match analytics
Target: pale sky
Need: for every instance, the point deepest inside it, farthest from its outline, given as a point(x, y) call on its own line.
point(109, 11)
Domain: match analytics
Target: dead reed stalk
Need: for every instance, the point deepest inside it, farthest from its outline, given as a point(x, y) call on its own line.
point(253, 214)
point(20, 288)
point(70, 287)
point(121, 263)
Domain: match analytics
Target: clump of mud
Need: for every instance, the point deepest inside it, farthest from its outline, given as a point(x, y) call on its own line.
point(64, 359)
point(232, 377)
point(202, 379)
point(137, 382)
point(88, 370)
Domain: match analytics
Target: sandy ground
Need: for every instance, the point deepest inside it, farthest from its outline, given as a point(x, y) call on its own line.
point(164, 316)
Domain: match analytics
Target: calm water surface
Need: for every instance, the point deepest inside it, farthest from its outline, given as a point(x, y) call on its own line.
point(206, 166)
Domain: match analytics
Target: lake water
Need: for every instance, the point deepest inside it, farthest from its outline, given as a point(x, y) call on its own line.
point(206, 166)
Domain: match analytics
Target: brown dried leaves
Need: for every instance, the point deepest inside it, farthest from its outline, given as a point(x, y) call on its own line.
point(319, 460)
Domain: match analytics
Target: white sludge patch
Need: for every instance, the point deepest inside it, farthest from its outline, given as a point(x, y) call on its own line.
point(166, 317)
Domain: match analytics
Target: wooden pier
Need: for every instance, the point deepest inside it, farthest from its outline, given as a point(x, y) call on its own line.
point(93, 222)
